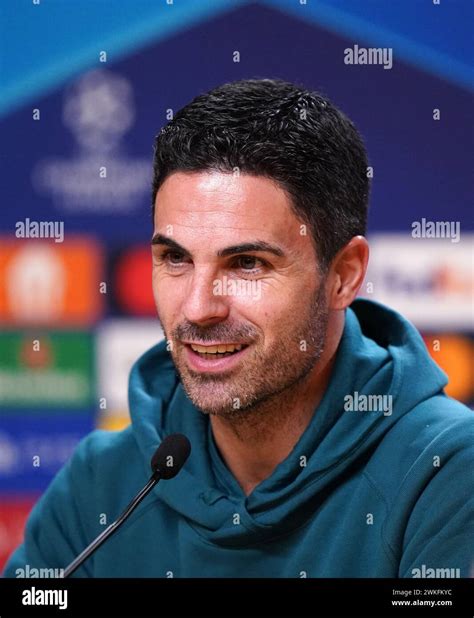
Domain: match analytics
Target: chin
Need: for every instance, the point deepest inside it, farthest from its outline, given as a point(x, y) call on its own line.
point(211, 409)
point(217, 404)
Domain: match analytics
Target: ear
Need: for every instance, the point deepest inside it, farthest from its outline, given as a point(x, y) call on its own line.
point(347, 272)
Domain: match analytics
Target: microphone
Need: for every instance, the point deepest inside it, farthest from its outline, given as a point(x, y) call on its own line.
point(167, 461)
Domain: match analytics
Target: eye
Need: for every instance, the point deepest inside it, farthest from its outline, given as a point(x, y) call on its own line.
point(172, 258)
point(249, 263)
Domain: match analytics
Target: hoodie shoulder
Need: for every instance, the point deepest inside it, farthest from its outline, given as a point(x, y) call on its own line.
point(102, 443)
point(108, 458)
point(423, 470)
point(439, 427)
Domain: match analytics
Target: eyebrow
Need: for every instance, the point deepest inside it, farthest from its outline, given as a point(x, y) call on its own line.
point(246, 247)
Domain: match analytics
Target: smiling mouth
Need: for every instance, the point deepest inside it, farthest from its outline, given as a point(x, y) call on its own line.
point(216, 351)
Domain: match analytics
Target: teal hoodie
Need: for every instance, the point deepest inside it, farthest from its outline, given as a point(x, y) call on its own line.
point(362, 494)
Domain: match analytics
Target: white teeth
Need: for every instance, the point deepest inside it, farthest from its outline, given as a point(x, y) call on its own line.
point(212, 349)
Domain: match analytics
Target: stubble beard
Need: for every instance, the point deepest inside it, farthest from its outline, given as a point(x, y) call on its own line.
point(265, 379)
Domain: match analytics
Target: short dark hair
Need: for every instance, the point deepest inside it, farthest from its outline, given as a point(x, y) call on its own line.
point(273, 128)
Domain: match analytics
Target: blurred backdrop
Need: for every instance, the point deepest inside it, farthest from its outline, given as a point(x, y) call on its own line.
point(86, 85)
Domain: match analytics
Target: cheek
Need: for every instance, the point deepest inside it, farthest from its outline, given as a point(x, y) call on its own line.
point(166, 295)
point(155, 284)
point(278, 313)
point(264, 313)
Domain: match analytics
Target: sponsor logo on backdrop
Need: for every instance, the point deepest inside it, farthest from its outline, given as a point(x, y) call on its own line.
point(119, 344)
point(34, 448)
point(454, 354)
point(53, 370)
point(428, 280)
point(132, 287)
point(13, 515)
point(49, 284)
point(100, 178)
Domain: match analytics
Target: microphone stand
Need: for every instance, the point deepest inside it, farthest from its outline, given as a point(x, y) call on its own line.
point(76, 563)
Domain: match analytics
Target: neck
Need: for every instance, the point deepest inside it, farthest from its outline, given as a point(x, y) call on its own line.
point(252, 445)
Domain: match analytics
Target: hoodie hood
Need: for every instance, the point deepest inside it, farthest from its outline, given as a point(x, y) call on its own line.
point(380, 353)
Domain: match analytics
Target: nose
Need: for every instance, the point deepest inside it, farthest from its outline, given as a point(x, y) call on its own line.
point(203, 305)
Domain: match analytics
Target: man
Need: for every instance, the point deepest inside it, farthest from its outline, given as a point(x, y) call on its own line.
point(323, 444)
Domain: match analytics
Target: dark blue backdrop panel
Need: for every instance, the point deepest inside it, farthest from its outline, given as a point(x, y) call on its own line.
point(420, 165)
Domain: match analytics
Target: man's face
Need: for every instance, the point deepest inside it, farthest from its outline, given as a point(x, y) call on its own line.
point(234, 267)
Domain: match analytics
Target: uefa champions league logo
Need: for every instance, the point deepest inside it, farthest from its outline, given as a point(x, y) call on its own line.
point(98, 110)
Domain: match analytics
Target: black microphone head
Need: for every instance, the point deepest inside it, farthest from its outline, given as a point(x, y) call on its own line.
point(170, 456)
